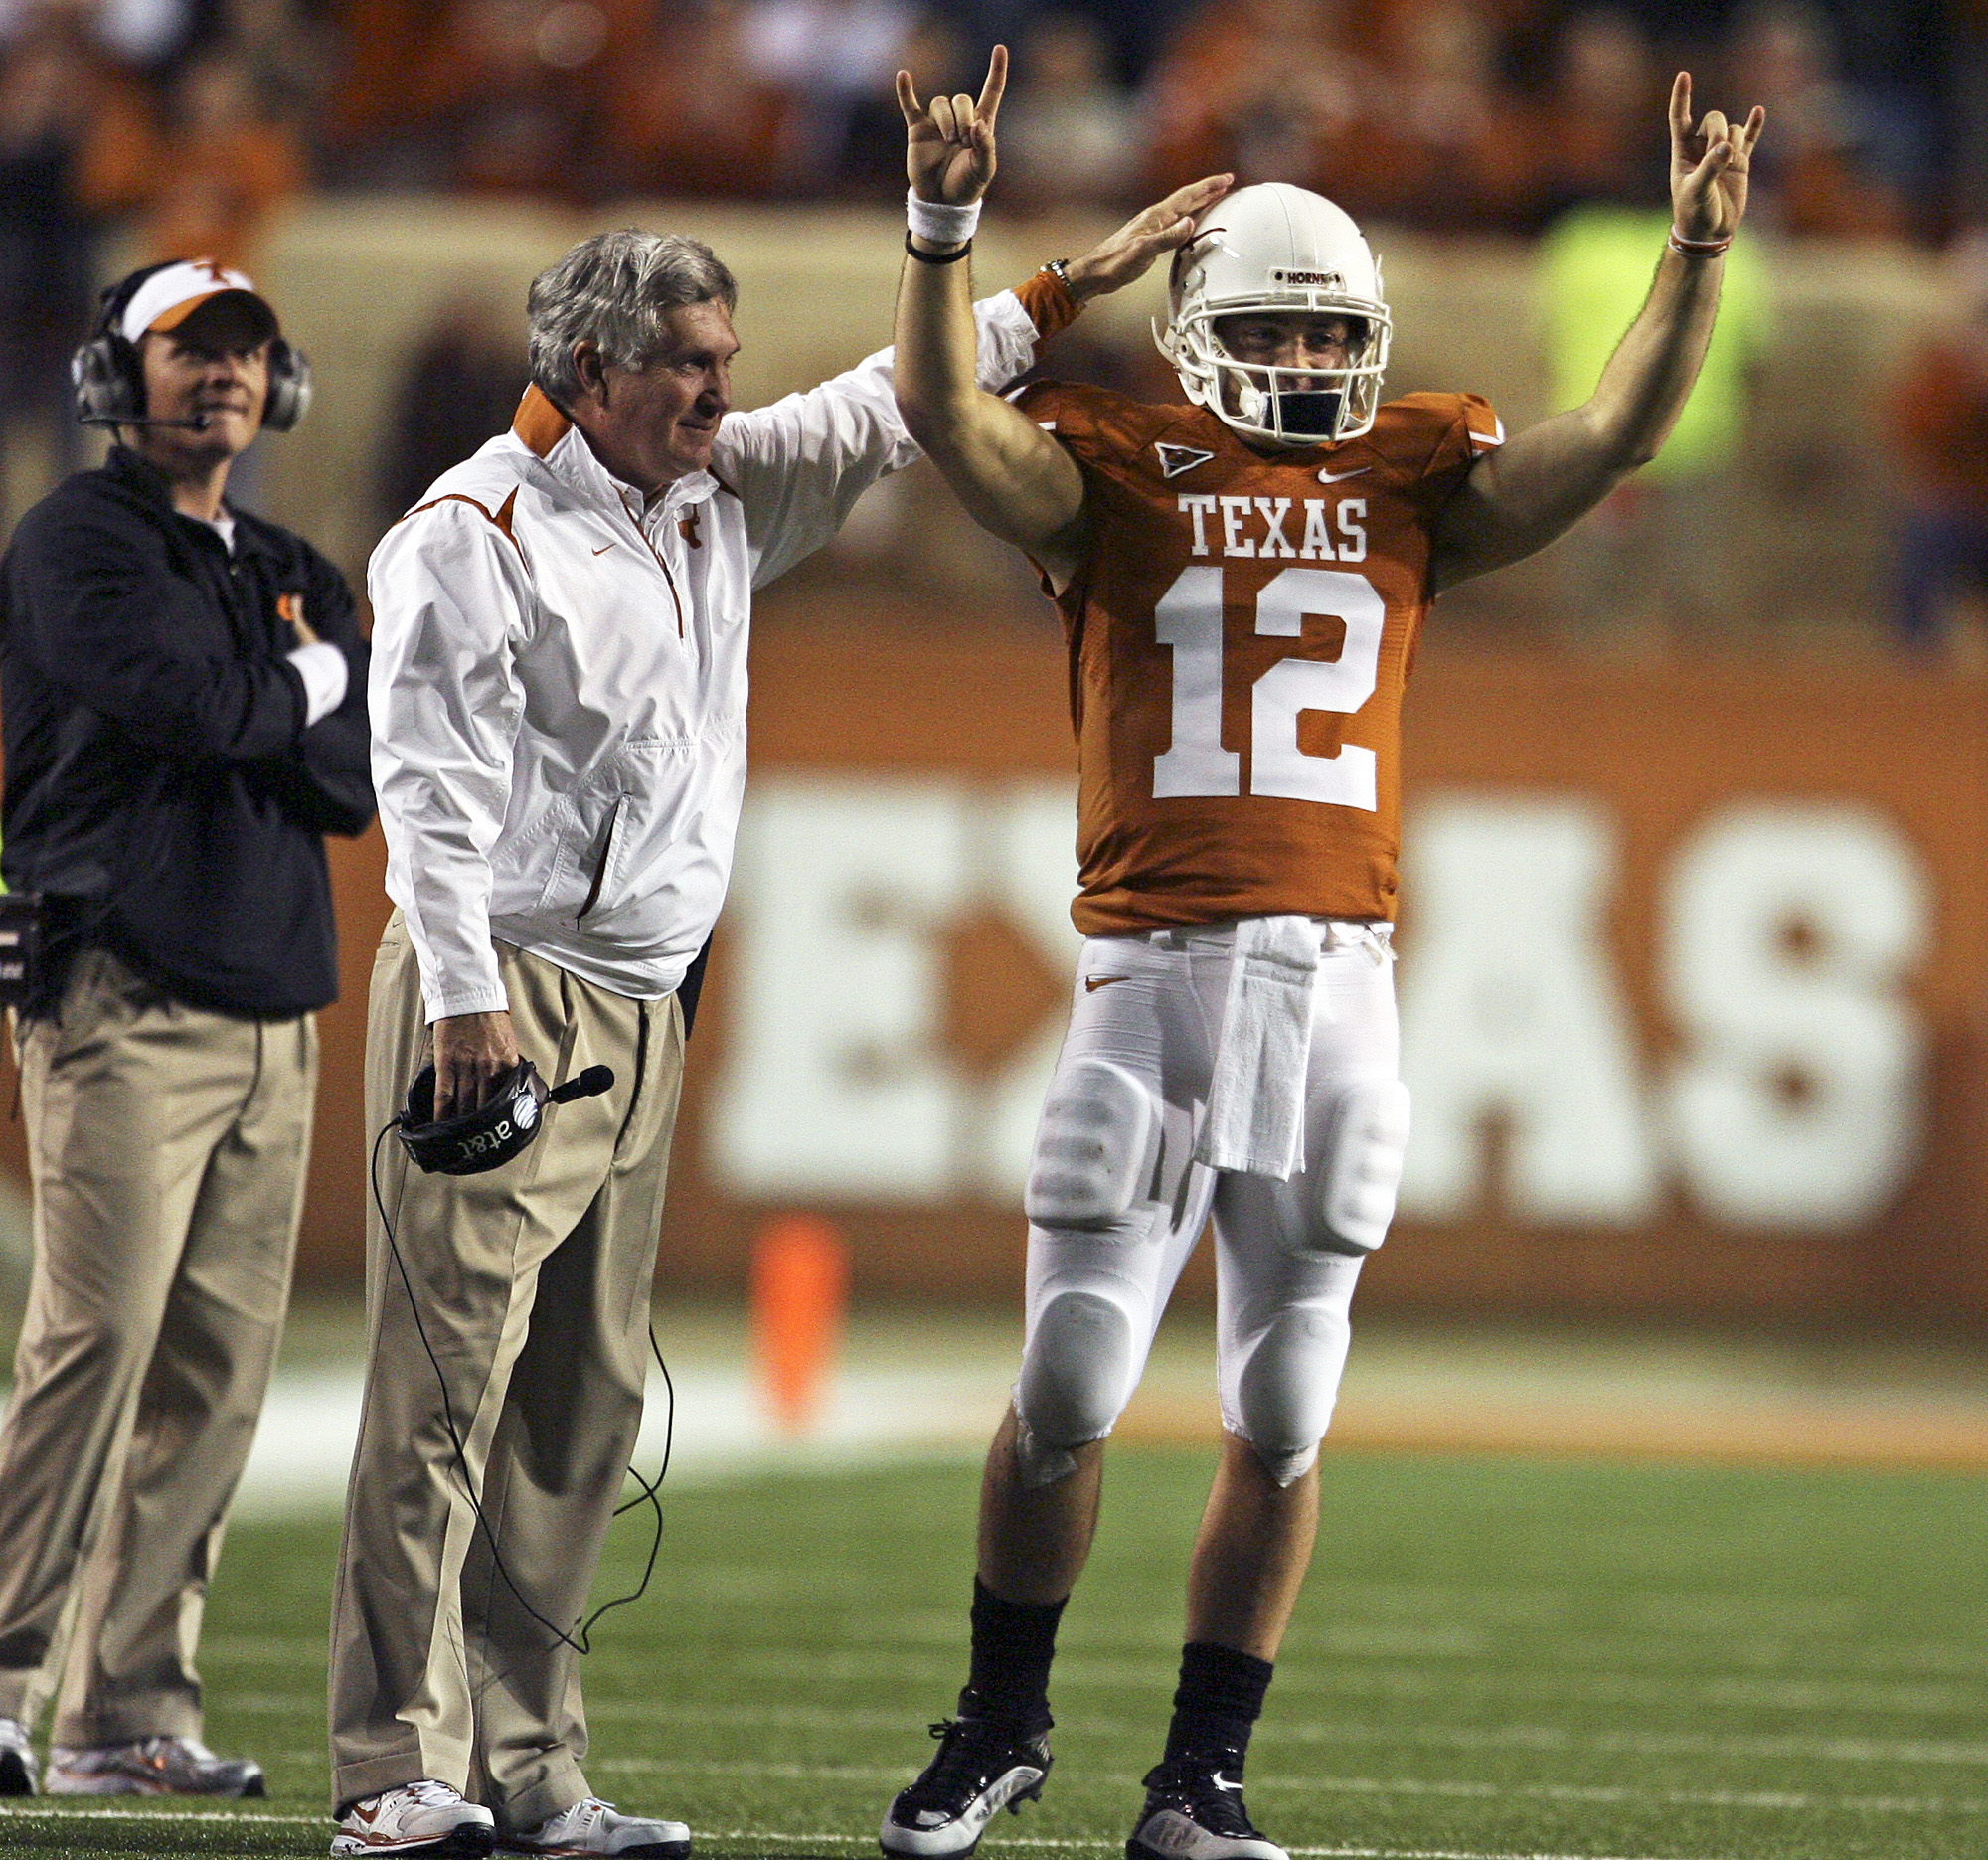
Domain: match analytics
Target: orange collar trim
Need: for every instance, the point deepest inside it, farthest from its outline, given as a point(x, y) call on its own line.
point(539, 422)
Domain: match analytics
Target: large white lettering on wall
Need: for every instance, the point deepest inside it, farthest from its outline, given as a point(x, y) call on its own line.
point(1787, 1090)
point(1511, 1011)
point(837, 1080)
point(1788, 934)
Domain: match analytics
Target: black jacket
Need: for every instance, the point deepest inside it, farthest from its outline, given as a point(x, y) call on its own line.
point(161, 788)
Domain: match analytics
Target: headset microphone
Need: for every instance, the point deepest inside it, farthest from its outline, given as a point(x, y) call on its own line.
point(197, 423)
point(588, 1084)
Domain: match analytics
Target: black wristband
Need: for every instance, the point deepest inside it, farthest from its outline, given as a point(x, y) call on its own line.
point(937, 258)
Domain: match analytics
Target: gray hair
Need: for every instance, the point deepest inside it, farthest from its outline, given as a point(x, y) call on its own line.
point(614, 290)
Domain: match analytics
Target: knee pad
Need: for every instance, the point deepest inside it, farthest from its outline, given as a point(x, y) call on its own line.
point(1075, 1381)
point(1288, 1389)
point(1098, 1147)
point(1362, 1168)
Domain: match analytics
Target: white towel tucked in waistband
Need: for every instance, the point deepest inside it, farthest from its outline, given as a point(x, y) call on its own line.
point(1255, 1100)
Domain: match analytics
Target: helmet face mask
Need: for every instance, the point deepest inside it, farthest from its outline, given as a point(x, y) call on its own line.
point(1275, 251)
point(1293, 405)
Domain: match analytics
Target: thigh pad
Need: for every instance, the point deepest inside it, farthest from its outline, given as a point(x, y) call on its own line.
point(1361, 1171)
point(1098, 1147)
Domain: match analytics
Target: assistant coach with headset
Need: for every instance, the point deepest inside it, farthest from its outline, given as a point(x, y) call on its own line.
point(183, 688)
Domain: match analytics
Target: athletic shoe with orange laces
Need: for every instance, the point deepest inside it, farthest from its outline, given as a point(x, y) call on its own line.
point(426, 1817)
point(159, 1765)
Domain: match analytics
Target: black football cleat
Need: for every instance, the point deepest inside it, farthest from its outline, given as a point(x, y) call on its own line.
point(1195, 1811)
point(982, 1766)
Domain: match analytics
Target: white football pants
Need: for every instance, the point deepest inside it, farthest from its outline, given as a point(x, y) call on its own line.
point(1153, 1005)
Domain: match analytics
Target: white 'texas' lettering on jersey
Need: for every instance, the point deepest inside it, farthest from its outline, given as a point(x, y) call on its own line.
point(1320, 544)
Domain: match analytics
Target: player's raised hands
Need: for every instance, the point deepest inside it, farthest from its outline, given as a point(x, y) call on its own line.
point(1129, 253)
point(949, 144)
point(1709, 166)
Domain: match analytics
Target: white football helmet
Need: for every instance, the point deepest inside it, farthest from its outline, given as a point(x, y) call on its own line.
point(1274, 248)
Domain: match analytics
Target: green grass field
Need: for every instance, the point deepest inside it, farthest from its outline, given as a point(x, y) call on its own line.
point(1495, 1656)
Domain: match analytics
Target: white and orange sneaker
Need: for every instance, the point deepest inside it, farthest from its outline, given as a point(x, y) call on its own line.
point(593, 1827)
point(156, 1766)
point(426, 1817)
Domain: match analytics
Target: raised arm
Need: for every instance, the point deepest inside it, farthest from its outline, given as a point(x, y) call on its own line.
point(1014, 479)
point(1517, 499)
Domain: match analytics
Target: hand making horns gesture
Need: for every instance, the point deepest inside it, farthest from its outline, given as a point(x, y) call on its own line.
point(1709, 167)
point(949, 146)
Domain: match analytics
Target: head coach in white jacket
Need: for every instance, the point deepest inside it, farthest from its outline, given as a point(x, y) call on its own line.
point(559, 711)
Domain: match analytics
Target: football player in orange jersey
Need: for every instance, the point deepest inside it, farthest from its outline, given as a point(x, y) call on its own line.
point(1241, 581)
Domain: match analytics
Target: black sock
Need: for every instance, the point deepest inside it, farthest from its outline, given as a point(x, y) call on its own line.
point(1013, 1645)
point(1216, 1704)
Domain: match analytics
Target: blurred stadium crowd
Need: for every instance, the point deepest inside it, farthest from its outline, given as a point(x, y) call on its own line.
point(199, 115)
point(182, 126)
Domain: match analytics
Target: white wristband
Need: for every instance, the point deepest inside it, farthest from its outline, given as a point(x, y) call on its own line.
point(325, 672)
point(936, 220)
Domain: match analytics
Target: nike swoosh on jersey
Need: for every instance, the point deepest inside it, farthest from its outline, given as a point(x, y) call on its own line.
point(1091, 983)
point(1174, 460)
point(1333, 477)
point(604, 548)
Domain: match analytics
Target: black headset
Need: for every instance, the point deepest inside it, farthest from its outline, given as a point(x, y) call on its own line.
point(109, 378)
point(490, 1134)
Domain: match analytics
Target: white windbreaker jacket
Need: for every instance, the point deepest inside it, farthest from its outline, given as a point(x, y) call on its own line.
point(557, 686)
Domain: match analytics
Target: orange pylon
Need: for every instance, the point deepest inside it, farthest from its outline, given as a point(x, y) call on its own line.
point(800, 1287)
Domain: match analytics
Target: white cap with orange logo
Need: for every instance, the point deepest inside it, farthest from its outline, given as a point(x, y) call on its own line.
point(175, 291)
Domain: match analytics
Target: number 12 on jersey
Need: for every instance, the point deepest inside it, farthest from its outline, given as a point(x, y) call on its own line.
point(1188, 617)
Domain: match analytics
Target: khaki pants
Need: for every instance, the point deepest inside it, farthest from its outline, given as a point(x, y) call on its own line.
point(532, 1287)
point(168, 1149)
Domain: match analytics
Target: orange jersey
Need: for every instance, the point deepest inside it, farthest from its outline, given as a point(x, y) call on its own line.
point(1240, 631)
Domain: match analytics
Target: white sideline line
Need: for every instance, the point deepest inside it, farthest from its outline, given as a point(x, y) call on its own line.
point(1844, 1749)
point(1593, 1793)
point(1773, 1799)
point(942, 1632)
point(1614, 1795)
point(1113, 1846)
point(79, 1813)
point(1410, 1682)
point(885, 1775)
